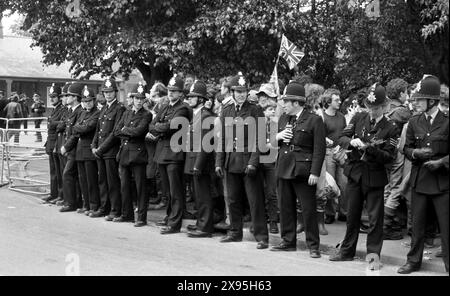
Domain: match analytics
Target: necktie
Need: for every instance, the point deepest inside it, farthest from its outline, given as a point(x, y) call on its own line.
point(372, 123)
point(292, 119)
point(429, 121)
point(238, 108)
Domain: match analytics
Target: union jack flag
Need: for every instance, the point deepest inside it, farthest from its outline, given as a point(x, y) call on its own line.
point(290, 52)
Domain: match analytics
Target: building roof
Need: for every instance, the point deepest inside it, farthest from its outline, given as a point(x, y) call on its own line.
point(18, 59)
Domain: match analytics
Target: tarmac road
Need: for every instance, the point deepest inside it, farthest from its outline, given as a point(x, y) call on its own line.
point(36, 239)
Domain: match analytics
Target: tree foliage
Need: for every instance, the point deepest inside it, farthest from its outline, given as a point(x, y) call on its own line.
point(216, 38)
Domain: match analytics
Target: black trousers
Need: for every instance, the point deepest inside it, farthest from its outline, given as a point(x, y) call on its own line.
point(62, 165)
point(172, 175)
point(109, 187)
point(55, 175)
point(71, 186)
point(88, 175)
point(134, 176)
point(289, 191)
point(204, 202)
point(239, 185)
point(419, 204)
point(356, 195)
point(270, 191)
point(218, 198)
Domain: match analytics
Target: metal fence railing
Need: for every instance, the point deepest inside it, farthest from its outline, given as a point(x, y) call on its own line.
point(24, 163)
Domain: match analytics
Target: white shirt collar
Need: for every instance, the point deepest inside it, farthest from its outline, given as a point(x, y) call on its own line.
point(197, 110)
point(171, 104)
point(75, 107)
point(112, 102)
point(433, 115)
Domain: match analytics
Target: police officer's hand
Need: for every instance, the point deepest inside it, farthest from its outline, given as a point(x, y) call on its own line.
point(150, 136)
point(63, 150)
point(312, 180)
point(422, 153)
point(284, 135)
point(433, 165)
point(329, 142)
point(94, 151)
point(219, 172)
point(196, 172)
point(357, 143)
point(250, 170)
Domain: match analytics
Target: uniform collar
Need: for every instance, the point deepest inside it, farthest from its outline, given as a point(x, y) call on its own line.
point(110, 104)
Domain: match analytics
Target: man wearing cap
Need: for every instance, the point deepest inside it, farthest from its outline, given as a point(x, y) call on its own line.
point(372, 140)
point(37, 110)
point(427, 147)
point(301, 139)
point(105, 147)
point(199, 160)
point(84, 129)
point(60, 128)
point(238, 159)
point(50, 144)
point(170, 161)
point(132, 157)
point(71, 187)
point(267, 99)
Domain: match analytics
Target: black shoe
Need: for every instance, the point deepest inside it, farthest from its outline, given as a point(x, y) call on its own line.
point(262, 245)
point(140, 224)
point(59, 202)
point(363, 228)
point(122, 219)
point(198, 233)
point(222, 226)
point(96, 214)
point(67, 209)
point(109, 218)
point(48, 199)
point(283, 246)
point(392, 235)
point(339, 257)
point(87, 213)
point(314, 253)
point(329, 219)
point(230, 238)
point(191, 227)
point(408, 268)
point(82, 210)
point(161, 223)
point(342, 218)
point(54, 201)
point(273, 227)
point(169, 230)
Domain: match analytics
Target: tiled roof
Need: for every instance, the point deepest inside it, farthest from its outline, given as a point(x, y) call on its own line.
point(18, 59)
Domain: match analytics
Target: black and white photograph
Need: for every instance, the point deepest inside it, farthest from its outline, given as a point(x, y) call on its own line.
point(223, 145)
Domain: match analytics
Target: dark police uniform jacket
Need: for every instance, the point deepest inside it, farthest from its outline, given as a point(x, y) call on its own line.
point(202, 160)
point(60, 128)
point(233, 161)
point(84, 129)
point(104, 139)
point(131, 130)
point(305, 153)
point(418, 135)
point(160, 128)
point(70, 139)
point(52, 123)
point(369, 167)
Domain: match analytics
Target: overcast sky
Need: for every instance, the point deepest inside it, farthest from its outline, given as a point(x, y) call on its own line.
point(7, 22)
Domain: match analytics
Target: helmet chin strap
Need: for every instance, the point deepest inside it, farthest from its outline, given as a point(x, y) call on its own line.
point(429, 106)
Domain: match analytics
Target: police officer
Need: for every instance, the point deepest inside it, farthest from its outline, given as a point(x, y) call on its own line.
point(70, 175)
point(241, 167)
point(170, 160)
point(60, 128)
point(199, 159)
point(105, 147)
point(132, 157)
point(84, 129)
point(372, 140)
point(427, 147)
point(54, 161)
point(301, 139)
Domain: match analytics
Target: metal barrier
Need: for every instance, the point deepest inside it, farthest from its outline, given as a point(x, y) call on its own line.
point(18, 156)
